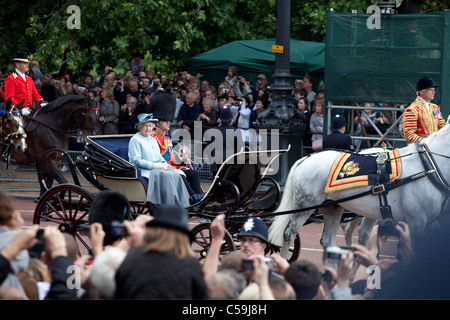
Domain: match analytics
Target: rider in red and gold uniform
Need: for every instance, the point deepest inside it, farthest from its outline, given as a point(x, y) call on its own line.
point(19, 86)
point(422, 117)
point(162, 105)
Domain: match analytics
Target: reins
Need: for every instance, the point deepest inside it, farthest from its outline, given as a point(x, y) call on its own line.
point(87, 107)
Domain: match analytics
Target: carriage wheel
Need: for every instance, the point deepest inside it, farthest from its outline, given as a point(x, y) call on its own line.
point(137, 208)
point(294, 250)
point(66, 206)
point(202, 241)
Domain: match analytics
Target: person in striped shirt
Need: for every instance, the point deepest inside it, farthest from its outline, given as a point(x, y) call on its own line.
point(422, 117)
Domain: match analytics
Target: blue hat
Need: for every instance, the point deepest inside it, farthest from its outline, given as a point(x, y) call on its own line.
point(225, 115)
point(255, 227)
point(145, 117)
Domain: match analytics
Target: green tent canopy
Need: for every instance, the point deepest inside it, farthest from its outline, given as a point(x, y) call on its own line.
point(253, 57)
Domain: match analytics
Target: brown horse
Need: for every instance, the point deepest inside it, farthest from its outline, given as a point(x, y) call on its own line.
point(49, 128)
point(11, 129)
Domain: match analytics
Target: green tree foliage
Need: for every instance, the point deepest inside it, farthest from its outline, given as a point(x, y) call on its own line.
point(168, 32)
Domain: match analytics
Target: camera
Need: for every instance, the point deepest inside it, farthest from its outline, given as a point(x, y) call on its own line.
point(327, 276)
point(118, 229)
point(247, 263)
point(259, 82)
point(387, 228)
point(119, 83)
point(40, 234)
point(333, 254)
point(85, 229)
point(270, 263)
point(225, 90)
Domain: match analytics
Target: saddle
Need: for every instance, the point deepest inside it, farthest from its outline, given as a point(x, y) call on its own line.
point(355, 170)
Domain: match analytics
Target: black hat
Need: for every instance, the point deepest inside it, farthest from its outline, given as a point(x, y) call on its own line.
point(255, 227)
point(163, 105)
point(173, 217)
point(21, 56)
point(425, 83)
point(109, 206)
point(338, 123)
point(225, 115)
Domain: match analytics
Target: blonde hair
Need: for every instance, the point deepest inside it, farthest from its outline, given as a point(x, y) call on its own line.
point(318, 102)
point(164, 240)
point(109, 94)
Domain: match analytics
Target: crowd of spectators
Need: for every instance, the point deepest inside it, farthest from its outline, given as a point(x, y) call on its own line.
point(121, 97)
point(153, 259)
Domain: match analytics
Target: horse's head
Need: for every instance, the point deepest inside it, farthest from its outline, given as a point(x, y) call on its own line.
point(84, 122)
point(11, 127)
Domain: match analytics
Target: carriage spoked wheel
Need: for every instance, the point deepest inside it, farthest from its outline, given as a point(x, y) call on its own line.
point(202, 241)
point(67, 207)
point(137, 208)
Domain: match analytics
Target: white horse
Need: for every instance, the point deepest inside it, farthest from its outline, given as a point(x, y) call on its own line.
point(418, 203)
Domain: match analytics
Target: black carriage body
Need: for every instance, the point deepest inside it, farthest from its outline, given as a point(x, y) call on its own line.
point(104, 163)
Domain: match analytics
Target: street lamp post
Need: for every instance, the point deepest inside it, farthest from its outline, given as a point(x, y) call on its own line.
point(282, 117)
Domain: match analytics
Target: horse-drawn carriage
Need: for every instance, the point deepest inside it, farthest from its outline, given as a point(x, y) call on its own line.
point(241, 188)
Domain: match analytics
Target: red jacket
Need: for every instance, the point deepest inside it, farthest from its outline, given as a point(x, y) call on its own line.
point(18, 90)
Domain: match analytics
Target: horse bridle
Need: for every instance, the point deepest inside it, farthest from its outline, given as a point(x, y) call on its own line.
point(430, 164)
point(10, 135)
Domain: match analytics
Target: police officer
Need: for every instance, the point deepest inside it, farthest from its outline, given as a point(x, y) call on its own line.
point(253, 237)
point(19, 86)
point(337, 139)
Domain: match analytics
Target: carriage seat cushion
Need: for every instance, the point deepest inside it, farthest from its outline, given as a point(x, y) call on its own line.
point(118, 146)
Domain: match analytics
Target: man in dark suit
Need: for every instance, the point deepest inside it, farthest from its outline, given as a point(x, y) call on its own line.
point(189, 112)
point(337, 139)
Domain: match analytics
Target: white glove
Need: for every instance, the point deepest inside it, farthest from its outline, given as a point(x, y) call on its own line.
point(160, 165)
point(42, 103)
point(180, 172)
point(26, 111)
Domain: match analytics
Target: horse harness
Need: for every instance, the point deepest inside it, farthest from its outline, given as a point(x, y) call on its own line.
point(383, 184)
point(9, 135)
